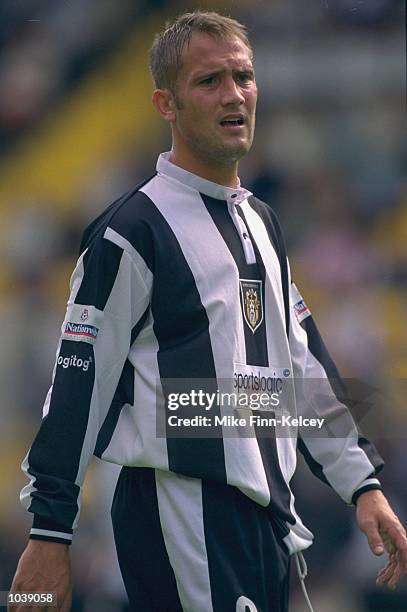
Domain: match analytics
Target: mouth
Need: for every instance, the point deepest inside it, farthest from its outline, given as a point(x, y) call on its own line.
point(232, 122)
point(233, 125)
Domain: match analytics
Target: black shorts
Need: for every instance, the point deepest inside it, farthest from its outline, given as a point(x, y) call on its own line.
point(187, 545)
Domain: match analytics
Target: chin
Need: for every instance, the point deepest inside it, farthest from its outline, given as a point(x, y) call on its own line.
point(221, 152)
point(237, 151)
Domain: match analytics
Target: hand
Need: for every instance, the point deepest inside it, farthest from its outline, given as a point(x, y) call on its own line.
point(384, 532)
point(44, 567)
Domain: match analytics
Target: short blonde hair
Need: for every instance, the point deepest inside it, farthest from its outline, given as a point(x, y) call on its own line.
point(168, 45)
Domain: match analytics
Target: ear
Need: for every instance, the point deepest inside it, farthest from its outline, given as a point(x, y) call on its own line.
point(164, 103)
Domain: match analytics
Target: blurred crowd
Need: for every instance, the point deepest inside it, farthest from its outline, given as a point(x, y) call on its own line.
point(329, 157)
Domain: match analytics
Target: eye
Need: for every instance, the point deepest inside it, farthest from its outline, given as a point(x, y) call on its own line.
point(244, 77)
point(209, 80)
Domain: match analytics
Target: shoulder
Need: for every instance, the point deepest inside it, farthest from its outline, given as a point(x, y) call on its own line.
point(122, 216)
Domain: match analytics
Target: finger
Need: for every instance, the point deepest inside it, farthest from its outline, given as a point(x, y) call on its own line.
point(385, 580)
point(385, 574)
point(401, 557)
point(373, 537)
point(385, 570)
point(401, 564)
point(392, 583)
point(391, 574)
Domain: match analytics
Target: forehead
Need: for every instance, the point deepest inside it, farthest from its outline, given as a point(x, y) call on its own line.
point(206, 53)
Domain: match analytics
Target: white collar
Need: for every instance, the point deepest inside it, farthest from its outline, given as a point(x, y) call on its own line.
point(220, 192)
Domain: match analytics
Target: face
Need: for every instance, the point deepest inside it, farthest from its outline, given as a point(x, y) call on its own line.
point(215, 101)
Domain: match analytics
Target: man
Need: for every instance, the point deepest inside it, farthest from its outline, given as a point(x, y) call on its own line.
point(185, 278)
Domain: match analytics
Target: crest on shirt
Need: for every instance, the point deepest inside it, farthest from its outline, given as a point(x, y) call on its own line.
point(85, 314)
point(252, 302)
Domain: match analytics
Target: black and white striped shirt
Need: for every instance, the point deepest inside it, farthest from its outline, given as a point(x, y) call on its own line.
point(158, 294)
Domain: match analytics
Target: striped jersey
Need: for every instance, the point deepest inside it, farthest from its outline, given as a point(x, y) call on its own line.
point(183, 282)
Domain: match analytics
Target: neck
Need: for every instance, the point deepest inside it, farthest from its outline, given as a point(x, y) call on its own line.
point(225, 175)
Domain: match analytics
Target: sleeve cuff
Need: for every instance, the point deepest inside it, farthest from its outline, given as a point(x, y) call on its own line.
point(45, 529)
point(370, 484)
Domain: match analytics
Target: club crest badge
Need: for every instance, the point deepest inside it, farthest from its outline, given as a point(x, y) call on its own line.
point(252, 302)
point(85, 314)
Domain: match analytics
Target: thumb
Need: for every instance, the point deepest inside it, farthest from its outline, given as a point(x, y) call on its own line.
point(374, 538)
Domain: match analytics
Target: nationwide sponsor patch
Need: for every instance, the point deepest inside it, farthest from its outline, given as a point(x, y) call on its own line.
point(252, 302)
point(80, 332)
point(82, 323)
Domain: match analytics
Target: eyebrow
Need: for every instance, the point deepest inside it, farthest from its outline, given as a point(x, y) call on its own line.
point(208, 73)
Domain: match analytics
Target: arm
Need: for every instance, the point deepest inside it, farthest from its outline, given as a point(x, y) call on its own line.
point(344, 459)
point(109, 296)
point(337, 453)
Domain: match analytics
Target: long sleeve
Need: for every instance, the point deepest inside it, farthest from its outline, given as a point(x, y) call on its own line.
point(337, 453)
point(109, 296)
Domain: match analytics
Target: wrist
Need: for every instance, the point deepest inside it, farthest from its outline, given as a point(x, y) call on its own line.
point(370, 487)
point(369, 496)
point(48, 546)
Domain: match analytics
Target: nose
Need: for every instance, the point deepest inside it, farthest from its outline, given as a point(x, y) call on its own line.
point(231, 93)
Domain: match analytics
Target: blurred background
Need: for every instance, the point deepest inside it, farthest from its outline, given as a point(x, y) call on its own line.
point(77, 129)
